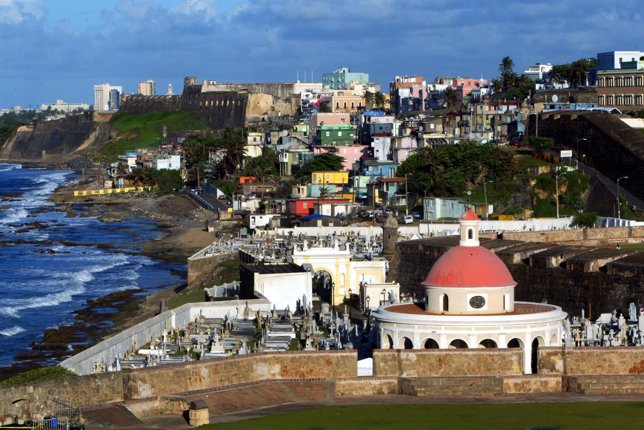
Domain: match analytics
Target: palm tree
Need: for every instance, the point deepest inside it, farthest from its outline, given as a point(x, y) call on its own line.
point(506, 71)
point(369, 98)
point(380, 100)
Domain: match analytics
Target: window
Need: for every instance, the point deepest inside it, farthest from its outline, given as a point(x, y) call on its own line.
point(470, 233)
point(600, 83)
point(638, 81)
point(600, 100)
point(638, 100)
point(619, 100)
point(339, 133)
point(609, 100)
point(445, 303)
point(628, 100)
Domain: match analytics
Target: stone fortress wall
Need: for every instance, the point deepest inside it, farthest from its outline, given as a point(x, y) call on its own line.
point(549, 266)
point(439, 373)
point(222, 105)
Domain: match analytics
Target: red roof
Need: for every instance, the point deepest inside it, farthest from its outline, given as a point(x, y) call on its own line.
point(469, 215)
point(469, 266)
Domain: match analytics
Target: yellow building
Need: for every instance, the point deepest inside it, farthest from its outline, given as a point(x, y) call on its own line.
point(335, 178)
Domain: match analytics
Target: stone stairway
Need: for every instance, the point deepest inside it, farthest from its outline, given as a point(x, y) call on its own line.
point(466, 386)
point(263, 394)
point(111, 415)
point(605, 384)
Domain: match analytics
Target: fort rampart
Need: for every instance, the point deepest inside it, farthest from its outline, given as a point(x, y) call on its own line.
point(416, 372)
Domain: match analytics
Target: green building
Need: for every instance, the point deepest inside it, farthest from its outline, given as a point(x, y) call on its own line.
point(335, 135)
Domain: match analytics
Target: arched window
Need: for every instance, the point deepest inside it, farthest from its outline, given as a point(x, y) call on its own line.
point(470, 233)
point(445, 303)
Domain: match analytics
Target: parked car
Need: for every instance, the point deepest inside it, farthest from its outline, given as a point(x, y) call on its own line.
point(406, 219)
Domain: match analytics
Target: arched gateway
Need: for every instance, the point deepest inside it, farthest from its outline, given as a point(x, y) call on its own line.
point(469, 303)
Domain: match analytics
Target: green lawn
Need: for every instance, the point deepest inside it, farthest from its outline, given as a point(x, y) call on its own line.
point(564, 416)
point(146, 130)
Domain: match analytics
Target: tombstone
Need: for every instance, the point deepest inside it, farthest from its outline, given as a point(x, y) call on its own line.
point(632, 312)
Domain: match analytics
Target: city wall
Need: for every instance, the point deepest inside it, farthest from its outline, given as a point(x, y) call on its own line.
point(608, 144)
point(585, 236)
point(179, 378)
point(592, 361)
point(418, 363)
point(566, 285)
point(418, 372)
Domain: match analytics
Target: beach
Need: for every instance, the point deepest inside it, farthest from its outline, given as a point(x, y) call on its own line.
point(182, 223)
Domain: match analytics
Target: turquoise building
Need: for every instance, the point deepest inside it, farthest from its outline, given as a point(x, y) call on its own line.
point(341, 78)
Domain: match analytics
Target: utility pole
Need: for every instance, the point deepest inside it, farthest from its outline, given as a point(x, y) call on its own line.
point(557, 189)
point(619, 214)
point(487, 212)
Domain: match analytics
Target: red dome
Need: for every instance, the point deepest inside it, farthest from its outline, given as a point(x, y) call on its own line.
point(469, 266)
point(469, 215)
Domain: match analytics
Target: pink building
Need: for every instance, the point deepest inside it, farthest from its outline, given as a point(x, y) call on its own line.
point(464, 86)
point(327, 118)
point(350, 153)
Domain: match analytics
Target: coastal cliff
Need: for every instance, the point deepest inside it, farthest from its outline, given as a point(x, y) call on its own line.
point(55, 141)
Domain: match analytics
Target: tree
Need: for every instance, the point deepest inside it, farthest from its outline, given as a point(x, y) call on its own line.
point(540, 144)
point(326, 162)
point(507, 74)
point(451, 98)
point(369, 99)
point(379, 99)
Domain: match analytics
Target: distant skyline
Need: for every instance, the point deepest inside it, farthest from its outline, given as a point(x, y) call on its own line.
point(58, 49)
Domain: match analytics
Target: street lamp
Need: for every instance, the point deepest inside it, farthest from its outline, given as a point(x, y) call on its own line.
point(557, 189)
point(577, 154)
point(619, 214)
point(406, 195)
point(485, 193)
point(384, 295)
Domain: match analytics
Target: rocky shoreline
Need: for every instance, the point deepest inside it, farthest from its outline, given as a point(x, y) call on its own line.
point(182, 222)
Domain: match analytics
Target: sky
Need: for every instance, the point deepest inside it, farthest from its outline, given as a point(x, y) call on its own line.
point(58, 49)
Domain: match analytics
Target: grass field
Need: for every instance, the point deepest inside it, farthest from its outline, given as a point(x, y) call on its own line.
point(564, 416)
point(146, 130)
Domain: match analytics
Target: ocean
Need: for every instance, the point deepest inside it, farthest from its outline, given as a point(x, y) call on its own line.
point(51, 263)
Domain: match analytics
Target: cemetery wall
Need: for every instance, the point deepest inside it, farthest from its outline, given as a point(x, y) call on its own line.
point(592, 361)
point(203, 266)
point(463, 362)
point(178, 378)
point(78, 391)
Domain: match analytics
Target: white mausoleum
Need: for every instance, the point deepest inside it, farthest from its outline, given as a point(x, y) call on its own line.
point(469, 303)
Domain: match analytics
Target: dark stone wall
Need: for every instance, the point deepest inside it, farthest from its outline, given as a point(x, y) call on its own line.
point(612, 287)
point(610, 146)
point(220, 109)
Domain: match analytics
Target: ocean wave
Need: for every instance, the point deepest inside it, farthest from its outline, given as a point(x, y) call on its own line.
point(70, 284)
point(12, 331)
point(6, 167)
point(14, 215)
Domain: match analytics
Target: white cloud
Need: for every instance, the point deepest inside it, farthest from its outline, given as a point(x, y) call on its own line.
point(205, 8)
point(17, 11)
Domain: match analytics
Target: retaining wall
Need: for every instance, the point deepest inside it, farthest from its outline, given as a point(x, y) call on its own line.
point(178, 378)
point(592, 361)
point(464, 362)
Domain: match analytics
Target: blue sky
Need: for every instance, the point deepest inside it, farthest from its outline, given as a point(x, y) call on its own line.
point(58, 49)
